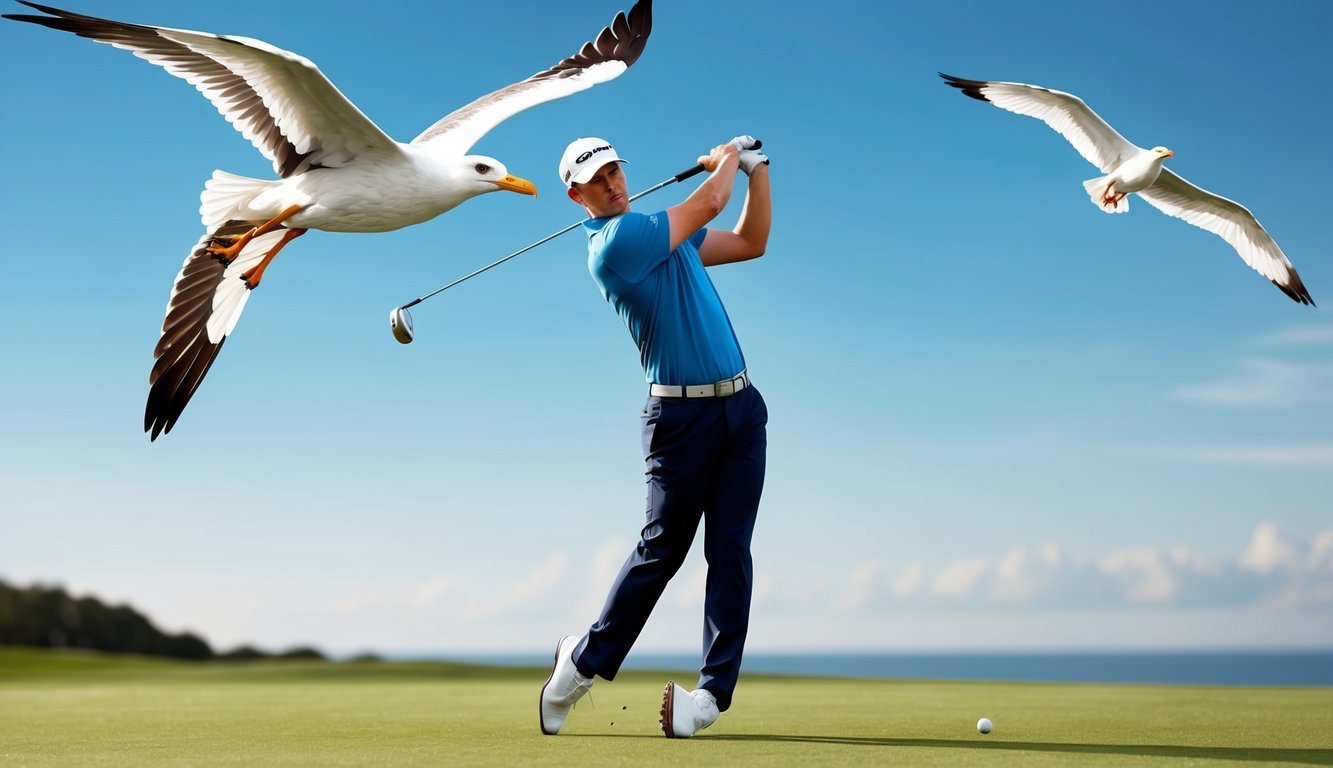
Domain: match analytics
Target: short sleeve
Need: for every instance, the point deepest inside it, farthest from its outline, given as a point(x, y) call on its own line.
point(636, 243)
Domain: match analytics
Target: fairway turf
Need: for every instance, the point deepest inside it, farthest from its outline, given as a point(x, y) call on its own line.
point(68, 708)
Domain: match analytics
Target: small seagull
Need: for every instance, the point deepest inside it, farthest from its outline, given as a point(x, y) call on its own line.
point(1132, 169)
point(339, 172)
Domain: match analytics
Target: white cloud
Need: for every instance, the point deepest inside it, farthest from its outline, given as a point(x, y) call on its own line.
point(1020, 576)
point(1265, 382)
point(1300, 336)
point(957, 581)
point(607, 560)
point(1270, 569)
point(909, 583)
point(1147, 575)
point(1267, 551)
point(418, 598)
point(864, 587)
point(1292, 455)
point(1321, 554)
point(689, 586)
point(527, 592)
point(1024, 594)
point(763, 586)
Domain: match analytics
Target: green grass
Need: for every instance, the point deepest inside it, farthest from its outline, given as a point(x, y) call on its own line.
point(69, 708)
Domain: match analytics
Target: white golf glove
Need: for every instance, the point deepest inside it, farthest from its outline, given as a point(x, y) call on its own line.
point(746, 142)
point(751, 159)
point(750, 156)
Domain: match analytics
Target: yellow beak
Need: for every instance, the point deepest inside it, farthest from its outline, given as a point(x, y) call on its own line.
point(515, 184)
point(1169, 153)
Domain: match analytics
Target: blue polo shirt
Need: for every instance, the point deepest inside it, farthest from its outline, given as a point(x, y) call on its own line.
point(665, 298)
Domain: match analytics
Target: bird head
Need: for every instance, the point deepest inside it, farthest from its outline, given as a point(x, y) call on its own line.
point(480, 174)
point(1163, 152)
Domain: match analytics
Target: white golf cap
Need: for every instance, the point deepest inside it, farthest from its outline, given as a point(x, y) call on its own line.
point(583, 157)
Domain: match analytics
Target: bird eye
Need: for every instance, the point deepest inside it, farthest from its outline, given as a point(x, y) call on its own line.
point(482, 168)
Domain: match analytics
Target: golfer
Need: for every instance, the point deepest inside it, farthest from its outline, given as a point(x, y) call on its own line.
point(704, 423)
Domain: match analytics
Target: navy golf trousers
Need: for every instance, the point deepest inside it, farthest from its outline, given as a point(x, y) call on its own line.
point(705, 461)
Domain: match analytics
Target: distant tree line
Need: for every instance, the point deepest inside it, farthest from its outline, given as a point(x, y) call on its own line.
point(49, 617)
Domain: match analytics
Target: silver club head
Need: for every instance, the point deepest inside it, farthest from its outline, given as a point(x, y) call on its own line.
point(400, 322)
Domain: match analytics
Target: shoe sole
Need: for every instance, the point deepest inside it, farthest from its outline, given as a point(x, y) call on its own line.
point(555, 661)
point(668, 699)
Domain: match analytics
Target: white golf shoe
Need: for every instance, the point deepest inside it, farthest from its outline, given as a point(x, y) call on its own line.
point(685, 713)
point(563, 688)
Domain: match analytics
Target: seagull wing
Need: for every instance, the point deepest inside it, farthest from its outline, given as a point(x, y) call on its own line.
point(207, 299)
point(278, 100)
point(1092, 136)
point(614, 51)
point(1230, 221)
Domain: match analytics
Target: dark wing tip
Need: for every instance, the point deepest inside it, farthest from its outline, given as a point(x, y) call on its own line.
point(1296, 291)
point(91, 27)
point(640, 21)
point(63, 14)
point(970, 87)
point(171, 392)
point(46, 21)
point(43, 8)
point(624, 40)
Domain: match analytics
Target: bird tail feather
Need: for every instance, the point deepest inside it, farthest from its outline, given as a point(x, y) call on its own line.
point(226, 196)
point(1097, 189)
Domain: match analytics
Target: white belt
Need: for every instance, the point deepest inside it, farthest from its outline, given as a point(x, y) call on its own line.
point(724, 388)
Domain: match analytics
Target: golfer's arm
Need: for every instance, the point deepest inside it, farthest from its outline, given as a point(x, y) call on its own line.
point(703, 205)
point(749, 239)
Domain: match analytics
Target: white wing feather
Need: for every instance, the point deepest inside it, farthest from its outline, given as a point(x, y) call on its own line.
point(278, 100)
point(231, 294)
point(1067, 114)
point(459, 130)
point(309, 110)
point(614, 50)
point(1231, 221)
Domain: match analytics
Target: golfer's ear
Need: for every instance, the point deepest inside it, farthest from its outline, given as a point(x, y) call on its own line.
point(574, 195)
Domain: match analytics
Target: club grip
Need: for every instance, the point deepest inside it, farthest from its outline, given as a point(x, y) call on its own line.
point(695, 171)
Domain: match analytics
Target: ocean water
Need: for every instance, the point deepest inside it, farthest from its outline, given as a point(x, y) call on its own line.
point(1283, 668)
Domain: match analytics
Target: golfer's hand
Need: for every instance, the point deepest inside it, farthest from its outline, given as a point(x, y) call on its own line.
point(719, 157)
point(746, 141)
point(751, 159)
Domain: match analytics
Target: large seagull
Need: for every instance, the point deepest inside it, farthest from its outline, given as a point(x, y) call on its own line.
point(339, 172)
point(1132, 169)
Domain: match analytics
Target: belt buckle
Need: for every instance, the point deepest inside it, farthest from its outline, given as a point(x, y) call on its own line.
point(725, 388)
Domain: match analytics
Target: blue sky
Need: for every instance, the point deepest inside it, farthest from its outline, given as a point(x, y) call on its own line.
point(999, 417)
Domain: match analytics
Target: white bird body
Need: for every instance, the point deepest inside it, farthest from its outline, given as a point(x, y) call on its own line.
point(338, 171)
point(1135, 174)
point(1130, 169)
point(397, 191)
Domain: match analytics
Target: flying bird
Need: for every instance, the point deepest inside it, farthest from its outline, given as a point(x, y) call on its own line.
point(1132, 169)
point(338, 171)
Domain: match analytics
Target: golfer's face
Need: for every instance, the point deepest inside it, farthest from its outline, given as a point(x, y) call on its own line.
point(604, 194)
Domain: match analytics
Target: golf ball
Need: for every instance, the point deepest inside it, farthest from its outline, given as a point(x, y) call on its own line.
point(983, 725)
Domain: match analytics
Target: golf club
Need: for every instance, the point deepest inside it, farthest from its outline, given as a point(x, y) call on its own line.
point(400, 320)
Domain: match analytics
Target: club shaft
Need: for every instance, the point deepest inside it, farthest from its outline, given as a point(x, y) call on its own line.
point(493, 264)
point(683, 175)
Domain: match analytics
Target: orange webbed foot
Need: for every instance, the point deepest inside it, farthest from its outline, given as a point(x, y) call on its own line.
point(252, 276)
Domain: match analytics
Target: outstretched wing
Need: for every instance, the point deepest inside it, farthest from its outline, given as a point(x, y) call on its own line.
point(278, 100)
point(1092, 136)
point(1232, 222)
point(206, 301)
point(614, 51)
